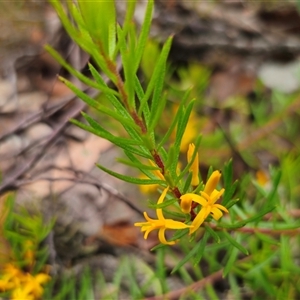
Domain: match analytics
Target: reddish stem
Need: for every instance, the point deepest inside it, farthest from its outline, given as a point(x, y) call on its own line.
point(158, 161)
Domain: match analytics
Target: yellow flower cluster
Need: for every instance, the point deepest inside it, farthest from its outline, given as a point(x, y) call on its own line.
point(188, 204)
point(22, 285)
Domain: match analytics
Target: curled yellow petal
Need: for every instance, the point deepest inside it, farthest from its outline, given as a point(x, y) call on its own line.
point(186, 203)
point(199, 219)
point(216, 213)
point(212, 182)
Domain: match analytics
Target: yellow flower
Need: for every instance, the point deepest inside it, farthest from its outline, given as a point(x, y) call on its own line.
point(161, 223)
point(207, 199)
point(195, 165)
point(22, 285)
point(33, 284)
point(11, 278)
point(21, 293)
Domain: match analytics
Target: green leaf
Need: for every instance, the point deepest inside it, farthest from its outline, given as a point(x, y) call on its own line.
point(202, 245)
point(71, 70)
point(144, 34)
point(228, 186)
point(242, 223)
point(287, 262)
point(156, 79)
point(79, 34)
point(137, 165)
point(102, 29)
point(212, 233)
point(175, 119)
point(165, 204)
point(266, 238)
point(187, 183)
point(111, 138)
point(156, 112)
point(85, 287)
point(231, 260)
point(148, 173)
point(161, 269)
point(101, 108)
point(187, 167)
point(131, 179)
point(146, 112)
point(108, 135)
point(198, 247)
point(231, 203)
point(139, 89)
point(127, 60)
point(102, 86)
point(177, 215)
point(235, 243)
point(271, 199)
point(181, 127)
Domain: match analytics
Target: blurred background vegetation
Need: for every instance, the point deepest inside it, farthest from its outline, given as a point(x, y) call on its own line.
point(241, 61)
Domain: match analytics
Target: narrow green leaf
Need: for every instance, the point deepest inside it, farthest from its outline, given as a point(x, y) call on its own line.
point(186, 258)
point(161, 269)
point(276, 180)
point(70, 69)
point(177, 215)
point(155, 79)
point(127, 58)
point(175, 119)
point(129, 17)
point(235, 243)
point(165, 204)
point(229, 187)
point(101, 108)
point(231, 260)
point(212, 233)
point(181, 127)
point(102, 86)
point(110, 138)
point(79, 34)
point(163, 153)
point(137, 165)
point(242, 223)
point(202, 245)
point(187, 183)
point(144, 34)
point(147, 172)
point(156, 112)
point(131, 179)
point(86, 42)
point(85, 287)
point(287, 262)
point(231, 203)
point(266, 238)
